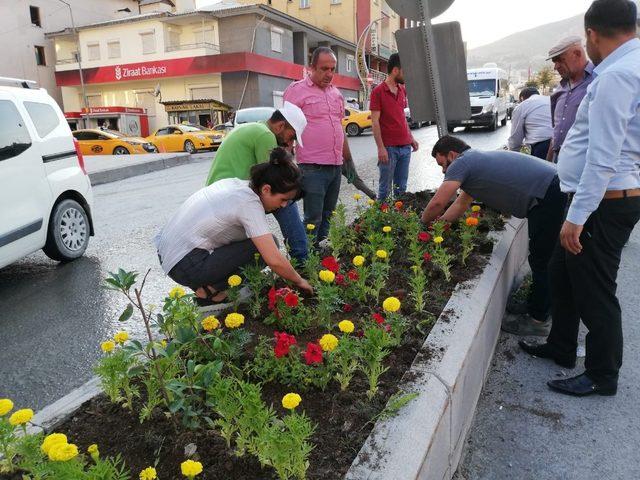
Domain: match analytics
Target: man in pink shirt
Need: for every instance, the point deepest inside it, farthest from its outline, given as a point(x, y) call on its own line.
point(325, 144)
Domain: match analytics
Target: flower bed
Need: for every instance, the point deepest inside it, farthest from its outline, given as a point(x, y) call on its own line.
point(285, 386)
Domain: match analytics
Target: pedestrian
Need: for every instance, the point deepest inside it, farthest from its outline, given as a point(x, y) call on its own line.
point(515, 184)
point(571, 62)
point(324, 144)
point(251, 143)
point(220, 228)
point(531, 123)
point(598, 168)
point(391, 131)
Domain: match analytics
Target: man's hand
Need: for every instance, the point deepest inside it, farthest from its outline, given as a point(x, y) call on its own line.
point(414, 145)
point(305, 286)
point(383, 155)
point(570, 237)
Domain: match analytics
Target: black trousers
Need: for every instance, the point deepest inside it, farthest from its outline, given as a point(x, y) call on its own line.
point(544, 221)
point(584, 287)
point(541, 149)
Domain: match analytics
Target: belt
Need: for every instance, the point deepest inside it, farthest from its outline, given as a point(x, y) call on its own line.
point(613, 194)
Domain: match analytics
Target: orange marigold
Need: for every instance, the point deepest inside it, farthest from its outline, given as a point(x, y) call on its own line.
point(471, 221)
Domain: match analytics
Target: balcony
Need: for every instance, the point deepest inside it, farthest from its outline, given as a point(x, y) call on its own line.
point(210, 48)
point(66, 61)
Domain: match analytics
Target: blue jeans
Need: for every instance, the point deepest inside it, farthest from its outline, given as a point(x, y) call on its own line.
point(321, 185)
point(395, 172)
point(293, 231)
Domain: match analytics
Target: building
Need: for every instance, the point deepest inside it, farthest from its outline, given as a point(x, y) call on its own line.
point(178, 63)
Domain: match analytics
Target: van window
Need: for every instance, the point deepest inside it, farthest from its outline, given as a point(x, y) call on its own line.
point(14, 136)
point(482, 88)
point(43, 116)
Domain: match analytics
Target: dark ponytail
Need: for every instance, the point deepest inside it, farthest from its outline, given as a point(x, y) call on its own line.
point(280, 172)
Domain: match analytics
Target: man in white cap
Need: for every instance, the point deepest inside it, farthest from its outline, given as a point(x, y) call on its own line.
point(571, 62)
point(251, 143)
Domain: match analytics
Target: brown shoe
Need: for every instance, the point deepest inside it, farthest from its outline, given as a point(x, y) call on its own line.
point(524, 325)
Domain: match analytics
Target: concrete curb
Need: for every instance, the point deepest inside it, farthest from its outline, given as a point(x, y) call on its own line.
point(99, 177)
point(425, 440)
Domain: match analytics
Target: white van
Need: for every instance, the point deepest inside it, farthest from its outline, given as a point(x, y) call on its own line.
point(488, 92)
point(45, 192)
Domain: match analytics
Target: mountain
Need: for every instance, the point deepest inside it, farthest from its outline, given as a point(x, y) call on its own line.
point(526, 48)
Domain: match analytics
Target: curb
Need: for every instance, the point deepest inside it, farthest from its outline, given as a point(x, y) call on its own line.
point(127, 171)
point(426, 439)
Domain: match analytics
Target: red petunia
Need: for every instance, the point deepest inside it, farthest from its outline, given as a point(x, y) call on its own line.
point(424, 237)
point(426, 257)
point(313, 354)
point(330, 263)
point(346, 308)
point(272, 298)
point(379, 319)
point(283, 343)
point(384, 207)
point(353, 275)
point(340, 279)
point(291, 299)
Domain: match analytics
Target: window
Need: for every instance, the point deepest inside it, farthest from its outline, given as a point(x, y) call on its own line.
point(14, 136)
point(204, 35)
point(276, 39)
point(148, 42)
point(94, 50)
point(40, 60)
point(43, 116)
point(94, 100)
point(351, 60)
point(35, 16)
point(336, 2)
point(174, 39)
point(305, 3)
point(113, 48)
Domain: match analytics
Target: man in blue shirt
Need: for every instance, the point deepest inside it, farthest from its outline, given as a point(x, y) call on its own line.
point(598, 168)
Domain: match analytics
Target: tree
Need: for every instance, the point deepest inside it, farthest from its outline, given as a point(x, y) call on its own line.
point(531, 83)
point(545, 78)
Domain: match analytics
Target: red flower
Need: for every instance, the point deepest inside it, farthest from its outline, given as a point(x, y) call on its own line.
point(330, 263)
point(379, 319)
point(384, 207)
point(475, 214)
point(353, 275)
point(272, 298)
point(291, 299)
point(424, 237)
point(446, 227)
point(426, 257)
point(339, 279)
point(387, 328)
point(398, 205)
point(283, 343)
point(313, 354)
point(347, 308)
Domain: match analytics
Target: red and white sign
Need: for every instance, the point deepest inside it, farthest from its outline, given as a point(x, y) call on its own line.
point(102, 110)
point(134, 73)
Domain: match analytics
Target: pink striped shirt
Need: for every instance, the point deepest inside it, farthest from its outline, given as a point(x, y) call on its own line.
point(323, 137)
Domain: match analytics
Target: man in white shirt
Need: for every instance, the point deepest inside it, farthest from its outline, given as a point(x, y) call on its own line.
point(531, 123)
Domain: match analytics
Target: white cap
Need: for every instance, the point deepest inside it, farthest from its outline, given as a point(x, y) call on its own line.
point(295, 117)
point(563, 45)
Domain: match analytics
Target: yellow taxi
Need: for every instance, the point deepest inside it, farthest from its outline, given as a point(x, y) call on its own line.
point(356, 121)
point(185, 138)
point(109, 142)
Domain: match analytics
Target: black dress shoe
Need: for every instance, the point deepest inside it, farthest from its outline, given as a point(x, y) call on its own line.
point(582, 386)
point(544, 350)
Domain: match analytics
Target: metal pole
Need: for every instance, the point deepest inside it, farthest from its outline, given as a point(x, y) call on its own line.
point(432, 65)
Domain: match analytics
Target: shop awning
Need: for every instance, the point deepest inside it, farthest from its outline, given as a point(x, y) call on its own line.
point(191, 105)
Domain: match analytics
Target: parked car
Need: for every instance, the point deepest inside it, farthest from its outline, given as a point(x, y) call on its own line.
point(356, 121)
point(511, 105)
point(218, 134)
point(412, 123)
point(45, 192)
point(254, 114)
point(109, 142)
point(182, 138)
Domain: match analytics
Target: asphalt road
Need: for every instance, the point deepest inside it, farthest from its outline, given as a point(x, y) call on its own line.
point(53, 317)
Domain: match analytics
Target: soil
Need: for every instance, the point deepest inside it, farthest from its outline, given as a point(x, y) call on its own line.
point(344, 419)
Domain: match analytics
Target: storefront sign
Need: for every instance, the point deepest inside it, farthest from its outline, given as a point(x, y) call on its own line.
point(188, 106)
point(143, 71)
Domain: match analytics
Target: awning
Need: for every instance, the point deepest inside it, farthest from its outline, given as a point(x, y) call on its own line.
point(190, 105)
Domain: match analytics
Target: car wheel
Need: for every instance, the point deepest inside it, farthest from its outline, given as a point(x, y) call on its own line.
point(504, 121)
point(120, 151)
point(353, 130)
point(189, 147)
point(450, 128)
point(68, 233)
point(494, 126)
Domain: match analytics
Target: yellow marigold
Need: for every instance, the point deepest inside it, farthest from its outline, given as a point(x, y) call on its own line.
point(476, 208)
point(471, 221)
point(234, 320)
point(381, 254)
point(63, 452)
point(210, 323)
point(291, 401)
point(93, 448)
point(328, 342)
point(358, 260)
point(163, 342)
point(51, 440)
point(438, 240)
point(20, 417)
point(121, 337)
point(346, 326)
point(108, 346)
point(311, 226)
point(190, 468)
point(234, 280)
point(6, 406)
point(327, 276)
point(391, 304)
point(357, 196)
point(148, 473)
point(177, 292)
point(371, 202)
point(386, 229)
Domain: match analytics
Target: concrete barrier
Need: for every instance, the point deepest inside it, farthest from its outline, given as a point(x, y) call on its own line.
point(111, 168)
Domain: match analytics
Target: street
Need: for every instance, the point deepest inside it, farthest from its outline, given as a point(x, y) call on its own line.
point(53, 317)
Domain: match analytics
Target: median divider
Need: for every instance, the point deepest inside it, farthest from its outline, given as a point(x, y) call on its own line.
point(111, 168)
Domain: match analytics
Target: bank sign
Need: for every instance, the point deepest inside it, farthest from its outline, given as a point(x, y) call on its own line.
point(144, 71)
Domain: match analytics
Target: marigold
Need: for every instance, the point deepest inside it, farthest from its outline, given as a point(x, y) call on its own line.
point(148, 473)
point(311, 227)
point(438, 240)
point(51, 440)
point(328, 342)
point(210, 323)
point(93, 448)
point(346, 326)
point(381, 254)
point(358, 260)
point(177, 292)
point(398, 205)
point(20, 417)
point(386, 229)
point(108, 346)
point(471, 221)
point(234, 320)
point(121, 337)
point(371, 202)
point(6, 406)
point(234, 280)
point(291, 401)
point(357, 197)
point(391, 304)
point(327, 276)
point(476, 208)
point(62, 452)
point(190, 468)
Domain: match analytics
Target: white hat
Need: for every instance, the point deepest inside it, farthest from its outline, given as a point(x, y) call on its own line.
point(563, 45)
point(295, 117)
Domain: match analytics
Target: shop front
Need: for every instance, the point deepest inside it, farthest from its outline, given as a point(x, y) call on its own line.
point(205, 112)
point(128, 120)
